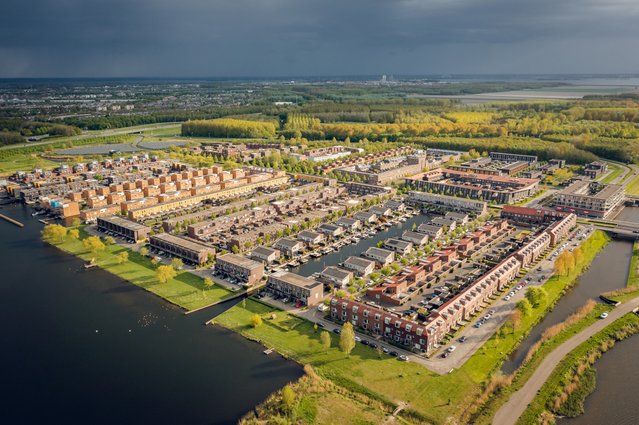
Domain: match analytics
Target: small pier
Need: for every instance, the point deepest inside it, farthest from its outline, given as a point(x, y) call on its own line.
point(12, 221)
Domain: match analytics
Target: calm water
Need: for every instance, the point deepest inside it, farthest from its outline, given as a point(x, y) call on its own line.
point(334, 258)
point(617, 381)
point(85, 347)
point(608, 271)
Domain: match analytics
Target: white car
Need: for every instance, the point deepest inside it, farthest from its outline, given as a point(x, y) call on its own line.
point(603, 315)
point(507, 298)
point(451, 348)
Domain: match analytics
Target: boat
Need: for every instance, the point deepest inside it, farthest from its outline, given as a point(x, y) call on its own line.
point(304, 260)
point(356, 239)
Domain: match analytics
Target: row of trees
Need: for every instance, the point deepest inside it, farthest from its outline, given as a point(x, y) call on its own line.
point(228, 127)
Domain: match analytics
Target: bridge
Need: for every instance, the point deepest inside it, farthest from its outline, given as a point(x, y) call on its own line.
point(617, 228)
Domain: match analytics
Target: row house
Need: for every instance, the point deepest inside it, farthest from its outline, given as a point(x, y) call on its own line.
point(533, 249)
point(390, 326)
point(560, 229)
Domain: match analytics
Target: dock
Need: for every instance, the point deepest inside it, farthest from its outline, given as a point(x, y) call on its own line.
point(268, 351)
point(12, 221)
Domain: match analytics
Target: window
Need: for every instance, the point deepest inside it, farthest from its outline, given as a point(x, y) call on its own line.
point(398, 324)
point(365, 314)
point(378, 316)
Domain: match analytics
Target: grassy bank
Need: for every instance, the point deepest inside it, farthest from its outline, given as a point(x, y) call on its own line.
point(615, 171)
point(185, 289)
point(571, 381)
point(498, 347)
point(633, 186)
point(437, 398)
point(504, 386)
point(632, 286)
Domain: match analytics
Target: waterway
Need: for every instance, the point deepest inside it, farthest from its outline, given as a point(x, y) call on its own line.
point(86, 347)
point(614, 400)
point(608, 271)
point(334, 258)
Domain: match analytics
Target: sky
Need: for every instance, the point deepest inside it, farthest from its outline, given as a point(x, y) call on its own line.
point(232, 38)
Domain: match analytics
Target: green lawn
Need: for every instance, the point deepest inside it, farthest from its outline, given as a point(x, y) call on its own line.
point(385, 379)
point(438, 398)
point(24, 163)
point(185, 290)
point(615, 171)
point(633, 186)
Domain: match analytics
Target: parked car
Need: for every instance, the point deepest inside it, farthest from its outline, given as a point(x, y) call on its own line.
point(385, 350)
point(337, 331)
point(451, 348)
point(402, 357)
point(358, 339)
point(394, 353)
point(445, 354)
point(603, 315)
point(462, 339)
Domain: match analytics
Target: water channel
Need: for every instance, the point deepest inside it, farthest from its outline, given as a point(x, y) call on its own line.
point(334, 258)
point(87, 347)
point(615, 399)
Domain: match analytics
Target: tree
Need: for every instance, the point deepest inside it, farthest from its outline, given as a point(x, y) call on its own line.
point(288, 399)
point(74, 233)
point(109, 240)
point(144, 251)
point(256, 320)
point(177, 263)
point(524, 306)
point(560, 266)
point(325, 339)
point(347, 339)
point(515, 319)
point(208, 282)
point(165, 273)
point(93, 244)
point(536, 296)
point(54, 233)
point(123, 257)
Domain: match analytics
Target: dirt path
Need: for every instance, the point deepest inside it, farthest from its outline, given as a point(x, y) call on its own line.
point(513, 409)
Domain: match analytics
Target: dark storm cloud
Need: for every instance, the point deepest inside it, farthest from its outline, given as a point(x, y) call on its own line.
point(315, 37)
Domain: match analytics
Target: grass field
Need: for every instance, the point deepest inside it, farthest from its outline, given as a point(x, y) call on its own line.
point(437, 398)
point(25, 162)
point(185, 290)
point(615, 171)
point(633, 186)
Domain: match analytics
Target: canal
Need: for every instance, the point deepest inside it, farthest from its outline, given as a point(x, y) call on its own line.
point(87, 347)
point(608, 271)
point(334, 258)
point(614, 400)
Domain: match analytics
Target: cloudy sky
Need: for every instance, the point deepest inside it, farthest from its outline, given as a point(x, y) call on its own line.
point(94, 38)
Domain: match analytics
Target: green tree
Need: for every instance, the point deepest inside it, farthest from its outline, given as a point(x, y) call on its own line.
point(165, 273)
point(93, 244)
point(54, 233)
point(177, 263)
point(109, 240)
point(347, 339)
point(208, 282)
point(288, 399)
point(123, 257)
point(144, 251)
point(256, 320)
point(325, 339)
point(536, 295)
point(524, 306)
point(73, 233)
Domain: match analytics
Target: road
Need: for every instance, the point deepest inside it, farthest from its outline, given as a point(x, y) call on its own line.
point(98, 133)
point(516, 405)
